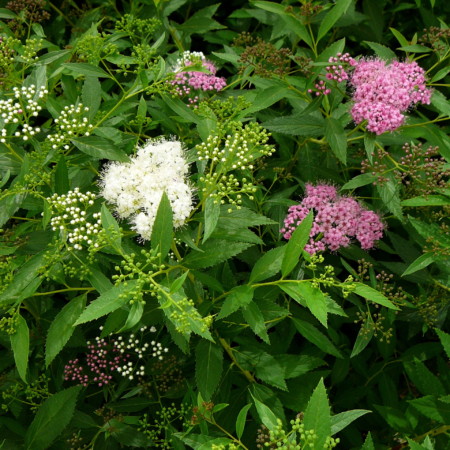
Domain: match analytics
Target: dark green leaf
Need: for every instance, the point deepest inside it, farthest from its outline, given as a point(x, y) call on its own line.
point(241, 419)
point(415, 48)
point(445, 340)
point(390, 194)
point(268, 265)
point(373, 295)
point(61, 329)
point(268, 418)
point(253, 316)
point(208, 367)
point(269, 370)
point(238, 297)
point(368, 443)
point(297, 125)
point(111, 227)
point(332, 17)
point(424, 380)
point(91, 95)
point(62, 185)
point(430, 200)
point(20, 343)
point(51, 419)
point(336, 138)
point(382, 51)
point(358, 181)
point(212, 212)
point(162, 232)
point(420, 263)
point(343, 419)
point(99, 148)
point(88, 70)
point(7, 14)
point(364, 336)
point(134, 316)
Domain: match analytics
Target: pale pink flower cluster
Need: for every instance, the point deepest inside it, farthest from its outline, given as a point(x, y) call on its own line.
point(337, 220)
point(187, 80)
point(383, 92)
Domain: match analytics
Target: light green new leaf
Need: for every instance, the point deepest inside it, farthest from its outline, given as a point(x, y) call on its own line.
point(212, 213)
point(420, 263)
point(336, 138)
point(343, 419)
point(268, 265)
point(318, 415)
point(445, 340)
point(268, 418)
point(253, 316)
point(335, 13)
point(364, 336)
point(99, 148)
point(208, 367)
point(51, 419)
point(108, 302)
point(373, 295)
point(399, 36)
point(239, 297)
point(20, 343)
point(62, 327)
point(241, 419)
point(440, 102)
point(358, 181)
point(430, 200)
point(296, 244)
point(162, 232)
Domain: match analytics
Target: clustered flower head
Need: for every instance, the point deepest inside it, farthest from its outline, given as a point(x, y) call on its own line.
point(71, 218)
point(383, 92)
point(135, 188)
point(337, 220)
point(186, 80)
point(104, 357)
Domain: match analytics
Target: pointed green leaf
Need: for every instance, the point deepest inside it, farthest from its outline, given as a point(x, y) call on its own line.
point(343, 419)
point(253, 316)
point(212, 212)
point(336, 138)
point(333, 15)
point(208, 367)
point(91, 95)
point(424, 380)
point(51, 419)
point(108, 302)
point(241, 419)
point(429, 200)
point(88, 70)
point(61, 177)
point(364, 336)
point(268, 418)
point(269, 370)
point(381, 50)
point(318, 415)
point(358, 181)
point(162, 231)
point(445, 340)
point(399, 36)
point(296, 245)
point(420, 263)
point(373, 295)
point(20, 343)
point(239, 297)
point(99, 148)
point(268, 265)
point(111, 227)
point(62, 327)
point(368, 443)
point(134, 316)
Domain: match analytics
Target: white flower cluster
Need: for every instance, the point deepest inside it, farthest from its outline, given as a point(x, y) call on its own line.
point(187, 59)
point(71, 122)
point(132, 344)
point(29, 96)
point(72, 219)
point(135, 188)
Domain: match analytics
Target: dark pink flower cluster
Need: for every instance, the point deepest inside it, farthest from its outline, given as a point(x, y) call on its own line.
point(383, 92)
point(337, 220)
point(101, 359)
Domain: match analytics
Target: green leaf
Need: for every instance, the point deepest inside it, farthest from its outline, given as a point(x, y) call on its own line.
point(399, 36)
point(343, 419)
point(296, 244)
point(201, 22)
point(268, 265)
point(214, 252)
point(430, 200)
point(88, 70)
point(390, 195)
point(20, 343)
point(134, 316)
point(445, 340)
point(318, 415)
point(212, 213)
point(62, 327)
point(368, 443)
point(208, 367)
point(108, 302)
point(313, 335)
point(415, 48)
point(264, 99)
point(369, 146)
point(111, 227)
point(297, 125)
point(432, 408)
point(162, 232)
point(253, 316)
point(381, 51)
point(424, 380)
point(7, 14)
point(269, 370)
point(295, 365)
point(241, 419)
point(241, 218)
point(416, 446)
point(358, 181)
point(62, 185)
point(99, 148)
point(364, 336)
point(239, 297)
point(420, 263)
point(268, 418)
point(440, 102)
point(336, 138)
point(51, 419)
point(91, 95)
point(373, 295)
point(332, 17)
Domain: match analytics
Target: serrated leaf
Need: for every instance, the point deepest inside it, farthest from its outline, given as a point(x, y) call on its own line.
point(239, 297)
point(269, 370)
point(430, 200)
point(88, 70)
point(51, 419)
point(214, 251)
point(90, 95)
point(318, 415)
point(212, 213)
point(313, 335)
point(111, 227)
point(332, 16)
point(343, 419)
point(253, 316)
point(162, 231)
point(440, 102)
point(420, 263)
point(373, 295)
point(296, 244)
point(62, 185)
point(368, 443)
point(297, 125)
point(242, 218)
point(241, 419)
point(268, 265)
point(20, 343)
point(268, 418)
point(108, 302)
point(382, 51)
point(445, 340)
point(364, 336)
point(208, 367)
point(296, 365)
point(416, 48)
point(99, 148)
point(424, 380)
point(432, 408)
point(336, 138)
point(390, 195)
point(358, 181)
point(265, 98)
point(62, 327)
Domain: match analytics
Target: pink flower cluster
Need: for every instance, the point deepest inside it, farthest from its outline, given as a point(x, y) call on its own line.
point(383, 92)
point(101, 359)
point(337, 220)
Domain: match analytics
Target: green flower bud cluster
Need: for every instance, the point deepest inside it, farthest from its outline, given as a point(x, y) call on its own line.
point(9, 323)
point(7, 53)
point(138, 29)
point(93, 48)
point(30, 50)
